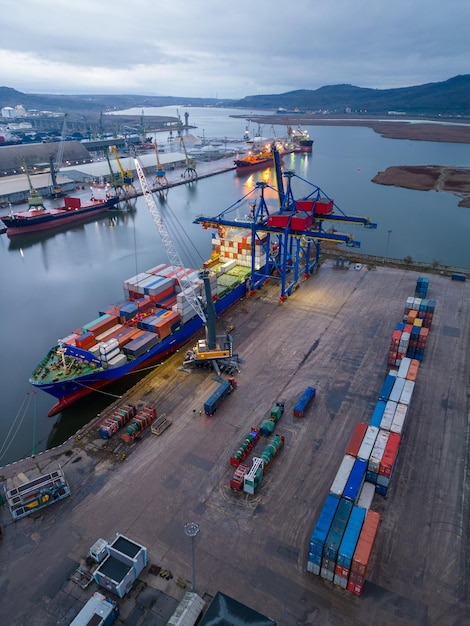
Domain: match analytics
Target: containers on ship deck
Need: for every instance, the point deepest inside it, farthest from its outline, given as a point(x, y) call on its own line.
point(141, 345)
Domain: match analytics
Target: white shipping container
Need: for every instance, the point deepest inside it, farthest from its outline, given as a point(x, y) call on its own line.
point(388, 415)
point(397, 389)
point(404, 367)
point(366, 496)
point(108, 346)
point(118, 360)
point(342, 475)
point(406, 394)
point(368, 443)
point(409, 302)
point(378, 451)
point(398, 422)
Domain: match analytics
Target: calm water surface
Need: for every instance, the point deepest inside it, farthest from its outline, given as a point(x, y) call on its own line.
point(54, 283)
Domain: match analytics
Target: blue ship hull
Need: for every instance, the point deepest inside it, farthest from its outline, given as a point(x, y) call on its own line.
point(69, 391)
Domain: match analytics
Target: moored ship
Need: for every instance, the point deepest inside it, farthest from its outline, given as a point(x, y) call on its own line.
point(153, 321)
point(254, 161)
point(38, 218)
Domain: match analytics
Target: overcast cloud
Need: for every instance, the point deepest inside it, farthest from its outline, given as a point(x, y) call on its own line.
point(221, 49)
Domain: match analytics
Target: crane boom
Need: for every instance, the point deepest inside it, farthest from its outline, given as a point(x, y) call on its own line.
point(172, 253)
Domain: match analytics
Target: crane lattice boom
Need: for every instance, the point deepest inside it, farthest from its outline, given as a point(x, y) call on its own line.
point(172, 253)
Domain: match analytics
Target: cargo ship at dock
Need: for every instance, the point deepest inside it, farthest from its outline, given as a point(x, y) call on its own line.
point(38, 218)
point(153, 320)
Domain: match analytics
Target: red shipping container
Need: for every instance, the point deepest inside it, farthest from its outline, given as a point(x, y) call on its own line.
point(365, 543)
point(341, 571)
point(390, 454)
point(279, 220)
point(354, 588)
point(304, 205)
point(85, 341)
point(356, 439)
point(72, 203)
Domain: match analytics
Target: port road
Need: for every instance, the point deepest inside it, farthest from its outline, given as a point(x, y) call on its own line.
point(333, 333)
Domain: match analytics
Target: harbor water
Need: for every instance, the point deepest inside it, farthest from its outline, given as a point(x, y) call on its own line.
point(54, 283)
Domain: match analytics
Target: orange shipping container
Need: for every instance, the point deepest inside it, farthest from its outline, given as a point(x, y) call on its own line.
point(356, 439)
point(365, 543)
point(413, 370)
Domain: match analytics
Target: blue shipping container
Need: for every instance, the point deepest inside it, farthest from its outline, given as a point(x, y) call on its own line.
point(378, 413)
point(355, 480)
point(321, 530)
point(350, 537)
point(338, 526)
point(387, 387)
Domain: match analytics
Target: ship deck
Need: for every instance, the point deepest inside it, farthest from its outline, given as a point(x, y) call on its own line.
point(333, 333)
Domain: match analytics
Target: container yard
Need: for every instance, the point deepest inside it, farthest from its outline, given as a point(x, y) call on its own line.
point(363, 515)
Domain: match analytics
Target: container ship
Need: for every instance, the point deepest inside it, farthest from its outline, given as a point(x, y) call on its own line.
point(154, 319)
point(38, 218)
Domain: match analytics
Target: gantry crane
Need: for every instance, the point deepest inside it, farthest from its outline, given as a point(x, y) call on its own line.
point(159, 179)
point(291, 232)
point(190, 171)
point(214, 350)
point(127, 176)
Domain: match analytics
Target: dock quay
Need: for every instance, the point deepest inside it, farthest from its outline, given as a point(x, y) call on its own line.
point(332, 333)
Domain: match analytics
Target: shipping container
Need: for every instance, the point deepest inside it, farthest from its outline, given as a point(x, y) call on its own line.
point(398, 423)
point(320, 532)
point(390, 455)
point(355, 480)
point(363, 552)
point(348, 546)
point(377, 415)
point(397, 389)
point(334, 538)
point(407, 393)
point(368, 443)
point(366, 496)
point(356, 439)
point(388, 415)
point(377, 451)
point(387, 387)
point(342, 475)
point(98, 611)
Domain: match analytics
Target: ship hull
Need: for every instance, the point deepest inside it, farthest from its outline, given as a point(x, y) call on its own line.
point(54, 218)
point(69, 391)
point(245, 167)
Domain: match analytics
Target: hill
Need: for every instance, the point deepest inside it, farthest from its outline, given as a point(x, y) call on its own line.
point(450, 98)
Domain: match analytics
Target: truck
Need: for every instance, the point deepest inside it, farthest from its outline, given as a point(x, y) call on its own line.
point(304, 401)
point(99, 611)
point(222, 391)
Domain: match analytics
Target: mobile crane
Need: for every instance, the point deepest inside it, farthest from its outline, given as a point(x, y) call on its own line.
point(214, 351)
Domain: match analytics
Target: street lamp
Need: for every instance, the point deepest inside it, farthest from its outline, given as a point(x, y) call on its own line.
point(389, 232)
point(191, 529)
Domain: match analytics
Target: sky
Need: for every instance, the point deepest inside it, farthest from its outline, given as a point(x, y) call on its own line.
point(229, 50)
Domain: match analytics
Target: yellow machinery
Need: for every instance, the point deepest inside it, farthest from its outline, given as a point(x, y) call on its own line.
point(127, 176)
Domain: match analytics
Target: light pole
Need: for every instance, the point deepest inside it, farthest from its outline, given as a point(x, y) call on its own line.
point(389, 232)
point(191, 529)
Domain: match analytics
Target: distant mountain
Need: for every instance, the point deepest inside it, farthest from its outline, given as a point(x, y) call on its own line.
point(448, 98)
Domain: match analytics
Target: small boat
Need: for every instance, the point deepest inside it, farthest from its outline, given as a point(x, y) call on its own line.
point(38, 218)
